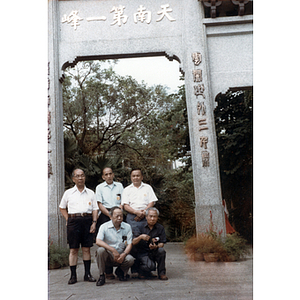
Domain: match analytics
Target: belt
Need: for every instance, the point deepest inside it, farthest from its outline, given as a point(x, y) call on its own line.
point(79, 215)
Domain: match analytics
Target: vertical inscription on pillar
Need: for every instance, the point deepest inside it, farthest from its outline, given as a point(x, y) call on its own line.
point(49, 123)
point(199, 90)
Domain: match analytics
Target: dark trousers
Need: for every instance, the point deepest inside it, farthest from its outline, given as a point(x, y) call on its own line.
point(147, 263)
point(130, 220)
point(101, 220)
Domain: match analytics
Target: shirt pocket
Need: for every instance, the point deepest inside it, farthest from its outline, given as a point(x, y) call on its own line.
point(118, 198)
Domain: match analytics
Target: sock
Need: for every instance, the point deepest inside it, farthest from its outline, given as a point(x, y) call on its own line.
point(87, 267)
point(73, 271)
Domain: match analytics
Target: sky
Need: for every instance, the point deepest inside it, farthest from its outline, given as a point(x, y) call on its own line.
point(153, 70)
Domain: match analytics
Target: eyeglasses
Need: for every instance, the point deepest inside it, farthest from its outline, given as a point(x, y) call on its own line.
point(79, 176)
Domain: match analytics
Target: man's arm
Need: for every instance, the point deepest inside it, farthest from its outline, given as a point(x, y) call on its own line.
point(115, 253)
point(151, 204)
point(130, 209)
point(64, 212)
point(144, 237)
point(124, 254)
point(162, 239)
point(140, 214)
point(154, 246)
point(95, 217)
point(103, 209)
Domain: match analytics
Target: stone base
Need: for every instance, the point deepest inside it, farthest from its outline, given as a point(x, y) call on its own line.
point(203, 219)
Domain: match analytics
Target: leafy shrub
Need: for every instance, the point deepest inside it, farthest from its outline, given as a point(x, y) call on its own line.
point(57, 256)
point(235, 245)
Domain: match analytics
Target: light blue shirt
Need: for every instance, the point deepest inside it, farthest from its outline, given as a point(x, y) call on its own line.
point(109, 195)
point(117, 239)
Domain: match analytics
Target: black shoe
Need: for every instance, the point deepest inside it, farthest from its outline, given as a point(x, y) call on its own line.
point(110, 276)
point(101, 280)
point(72, 280)
point(89, 278)
point(163, 277)
point(119, 272)
point(124, 278)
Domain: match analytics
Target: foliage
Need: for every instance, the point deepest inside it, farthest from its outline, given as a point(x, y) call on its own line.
point(177, 204)
point(204, 243)
point(234, 126)
point(57, 256)
point(105, 112)
point(235, 245)
point(211, 242)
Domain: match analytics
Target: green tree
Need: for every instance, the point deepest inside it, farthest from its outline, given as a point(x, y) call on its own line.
point(234, 126)
point(113, 120)
point(108, 117)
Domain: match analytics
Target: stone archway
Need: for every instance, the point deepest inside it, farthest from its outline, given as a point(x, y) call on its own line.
point(84, 30)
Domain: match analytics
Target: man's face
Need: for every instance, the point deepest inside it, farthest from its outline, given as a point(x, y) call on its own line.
point(117, 217)
point(79, 178)
point(108, 175)
point(136, 178)
point(152, 217)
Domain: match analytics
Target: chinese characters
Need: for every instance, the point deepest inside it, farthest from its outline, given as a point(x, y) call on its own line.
point(119, 16)
point(72, 19)
point(199, 90)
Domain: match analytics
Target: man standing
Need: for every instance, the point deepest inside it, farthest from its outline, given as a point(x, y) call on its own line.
point(79, 207)
point(137, 198)
point(108, 195)
point(148, 242)
point(115, 243)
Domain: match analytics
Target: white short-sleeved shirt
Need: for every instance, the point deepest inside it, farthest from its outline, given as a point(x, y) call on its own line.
point(109, 195)
point(138, 198)
point(113, 237)
point(79, 202)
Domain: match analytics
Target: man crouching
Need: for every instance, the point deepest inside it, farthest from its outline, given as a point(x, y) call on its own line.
point(115, 242)
point(148, 246)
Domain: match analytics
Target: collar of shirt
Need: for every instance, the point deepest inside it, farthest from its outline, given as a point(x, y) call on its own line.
point(111, 225)
point(110, 185)
point(142, 184)
point(75, 189)
point(154, 226)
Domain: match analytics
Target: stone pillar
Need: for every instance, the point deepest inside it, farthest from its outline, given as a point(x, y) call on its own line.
point(200, 106)
point(56, 223)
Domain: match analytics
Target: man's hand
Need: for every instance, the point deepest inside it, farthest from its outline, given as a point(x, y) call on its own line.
point(145, 237)
point(93, 228)
point(121, 258)
point(116, 255)
point(153, 247)
point(140, 214)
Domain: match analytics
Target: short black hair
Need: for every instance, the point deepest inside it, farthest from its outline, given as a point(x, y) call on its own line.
point(73, 172)
point(106, 168)
point(113, 209)
point(137, 169)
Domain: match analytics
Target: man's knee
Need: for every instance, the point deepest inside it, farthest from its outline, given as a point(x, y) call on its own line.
point(100, 251)
point(74, 251)
point(146, 264)
point(161, 252)
point(85, 250)
point(130, 260)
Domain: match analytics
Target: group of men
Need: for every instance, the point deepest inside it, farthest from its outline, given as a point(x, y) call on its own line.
point(137, 243)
